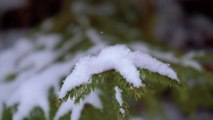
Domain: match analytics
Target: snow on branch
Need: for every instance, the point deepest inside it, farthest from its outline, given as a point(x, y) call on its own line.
point(119, 99)
point(119, 58)
point(69, 105)
point(186, 60)
point(34, 92)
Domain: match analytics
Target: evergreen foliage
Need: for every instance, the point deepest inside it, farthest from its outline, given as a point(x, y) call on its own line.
point(119, 24)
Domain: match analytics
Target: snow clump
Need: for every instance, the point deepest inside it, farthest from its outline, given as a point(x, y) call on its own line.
point(119, 58)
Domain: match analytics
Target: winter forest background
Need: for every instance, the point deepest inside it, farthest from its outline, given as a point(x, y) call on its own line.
point(106, 60)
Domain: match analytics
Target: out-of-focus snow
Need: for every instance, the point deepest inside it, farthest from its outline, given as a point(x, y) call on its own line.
point(10, 57)
point(48, 41)
point(186, 60)
point(94, 37)
point(37, 60)
point(69, 105)
point(31, 85)
point(34, 63)
point(34, 92)
point(23, 60)
point(117, 57)
point(176, 27)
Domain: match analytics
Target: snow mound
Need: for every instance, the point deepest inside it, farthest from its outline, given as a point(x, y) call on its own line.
point(117, 57)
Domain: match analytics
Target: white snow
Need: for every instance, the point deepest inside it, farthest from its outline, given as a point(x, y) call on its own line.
point(34, 92)
point(37, 72)
point(22, 60)
point(185, 60)
point(8, 61)
point(117, 57)
point(37, 60)
point(92, 98)
point(21, 55)
point(48, 41)
point(10, 57)
point(118, 97)
point(27, 64)
point(94, 37)
point(143, 60)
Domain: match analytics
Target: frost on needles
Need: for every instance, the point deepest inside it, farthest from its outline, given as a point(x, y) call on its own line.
point(120, 59)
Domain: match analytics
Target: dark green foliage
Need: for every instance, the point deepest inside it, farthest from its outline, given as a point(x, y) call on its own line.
point(91, 113)
point(10, 77)
point(36, 114)
point(7, 114)
point(107, 81)
point(199, 90)
point(66, 116)
point(52, 103)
